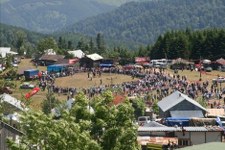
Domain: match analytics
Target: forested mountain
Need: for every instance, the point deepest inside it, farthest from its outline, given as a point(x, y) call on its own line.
point(49, 15)
point(145, 21)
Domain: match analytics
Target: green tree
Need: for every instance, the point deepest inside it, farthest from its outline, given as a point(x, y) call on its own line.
point(139, 107)
point(95, 124)
point(49, 103)
point(47, 43)
point(100, 43)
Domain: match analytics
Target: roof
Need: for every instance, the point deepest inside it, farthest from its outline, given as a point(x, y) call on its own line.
point(12, 101)
point(216, 112)
point(6, 50)
point(206, 146)
point(186, 113)
point(174, 99)
point(95, 57)
point(77, 53)
point(179, 129)
point(118, 99)
point(51, 57)
point(153, 124)
point(221, 61)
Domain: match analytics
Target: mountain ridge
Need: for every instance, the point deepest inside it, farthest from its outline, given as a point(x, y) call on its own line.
point(144, 21)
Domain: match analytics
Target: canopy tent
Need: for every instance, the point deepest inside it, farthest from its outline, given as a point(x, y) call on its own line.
point(77, 53)
point(206, 61)
point(221, 61)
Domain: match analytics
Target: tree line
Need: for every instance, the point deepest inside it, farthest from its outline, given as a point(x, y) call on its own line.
point(189, 44)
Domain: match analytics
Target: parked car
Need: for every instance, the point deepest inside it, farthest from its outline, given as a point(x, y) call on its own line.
point(208, 69)
point(26, 85)
point(143, 120)
point(219, 80)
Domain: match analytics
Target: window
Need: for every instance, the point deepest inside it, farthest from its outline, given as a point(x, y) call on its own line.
point(184, 142)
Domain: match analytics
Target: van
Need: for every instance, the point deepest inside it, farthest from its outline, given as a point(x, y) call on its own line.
point(143, 120)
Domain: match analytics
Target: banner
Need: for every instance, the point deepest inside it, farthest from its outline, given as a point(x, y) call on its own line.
point(34, 91)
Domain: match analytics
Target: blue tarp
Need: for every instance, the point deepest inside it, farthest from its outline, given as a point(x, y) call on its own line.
point(56, 68)
point(170, 121)
point(106, 65)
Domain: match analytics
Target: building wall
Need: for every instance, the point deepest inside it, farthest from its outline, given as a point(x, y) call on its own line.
point(184, 105)
point(213, 137)
point(7, 132)
point(197, 138)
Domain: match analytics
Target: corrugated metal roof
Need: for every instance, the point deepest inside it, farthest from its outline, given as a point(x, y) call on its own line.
point(174, 99)
point(95, 56)
point(186, 113)
point(153, 124)
point(149, 129)
point(12, 101)
point(216, 112)
point(195, 129)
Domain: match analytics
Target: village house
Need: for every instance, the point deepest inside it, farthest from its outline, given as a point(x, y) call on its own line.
point(180, 105)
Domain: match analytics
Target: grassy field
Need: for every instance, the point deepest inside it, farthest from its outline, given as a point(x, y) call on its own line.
point(80, 80)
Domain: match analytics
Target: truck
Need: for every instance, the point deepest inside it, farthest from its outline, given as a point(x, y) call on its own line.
point(31, 74)
point(57, 68)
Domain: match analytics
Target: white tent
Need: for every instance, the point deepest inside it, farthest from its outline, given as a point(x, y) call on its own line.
point(95, 57)
point(77, 53)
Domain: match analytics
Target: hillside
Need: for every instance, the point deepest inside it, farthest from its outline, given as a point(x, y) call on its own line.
point(144, 21)
point(9, 36)
point(48, 16)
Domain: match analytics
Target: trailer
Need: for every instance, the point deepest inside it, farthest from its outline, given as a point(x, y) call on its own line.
point(31, 74)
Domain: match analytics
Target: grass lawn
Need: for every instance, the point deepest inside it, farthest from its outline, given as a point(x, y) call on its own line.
point(80, 80)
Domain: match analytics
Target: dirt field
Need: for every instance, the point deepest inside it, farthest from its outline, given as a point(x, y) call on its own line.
point(80, 80)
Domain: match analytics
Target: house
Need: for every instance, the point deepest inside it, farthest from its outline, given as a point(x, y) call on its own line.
point(182, 136)
point(90, 61)
point(6, 50)
point(8, 131)
point(46, 60)
point(77, 53)
point(180, 105)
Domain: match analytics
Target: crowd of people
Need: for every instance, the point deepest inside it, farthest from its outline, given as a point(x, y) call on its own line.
point(151, 82)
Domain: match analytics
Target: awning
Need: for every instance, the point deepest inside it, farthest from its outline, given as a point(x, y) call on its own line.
point(186, 113)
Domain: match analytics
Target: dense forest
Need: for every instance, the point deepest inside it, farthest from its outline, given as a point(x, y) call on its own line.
point(190, 44)
point(143, 22)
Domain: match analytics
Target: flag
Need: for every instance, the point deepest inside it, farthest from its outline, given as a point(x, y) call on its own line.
point(219, 121)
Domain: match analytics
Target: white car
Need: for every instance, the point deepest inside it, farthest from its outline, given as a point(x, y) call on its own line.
point(219, 80)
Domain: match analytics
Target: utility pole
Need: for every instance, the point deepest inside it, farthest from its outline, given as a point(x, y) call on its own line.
point(200, 69)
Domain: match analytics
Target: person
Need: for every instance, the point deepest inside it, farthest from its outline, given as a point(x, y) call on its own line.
point(100, 81)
